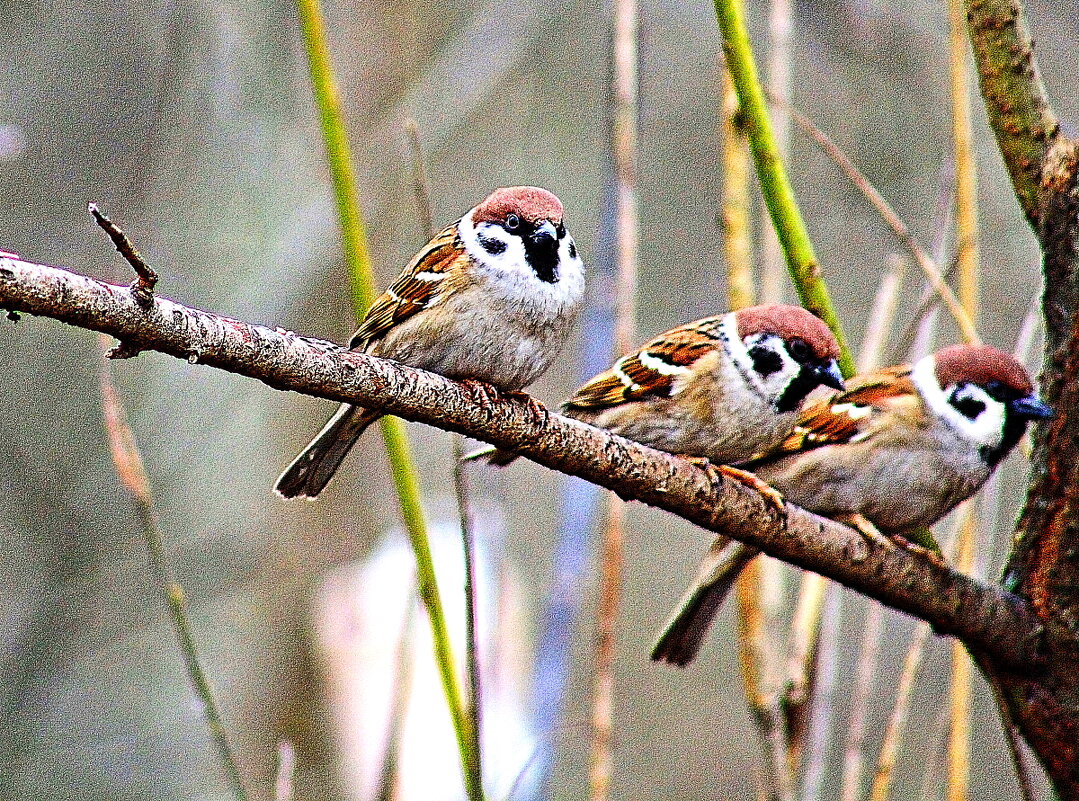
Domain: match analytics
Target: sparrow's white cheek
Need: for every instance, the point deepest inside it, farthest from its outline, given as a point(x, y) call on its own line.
point(986, 429)
point(771, 386)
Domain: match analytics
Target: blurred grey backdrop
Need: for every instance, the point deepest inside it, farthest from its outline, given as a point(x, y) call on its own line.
point(193, 126)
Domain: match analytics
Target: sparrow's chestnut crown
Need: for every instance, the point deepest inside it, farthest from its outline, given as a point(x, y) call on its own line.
point(531, 204)
point(981, 365)
point(789, 323)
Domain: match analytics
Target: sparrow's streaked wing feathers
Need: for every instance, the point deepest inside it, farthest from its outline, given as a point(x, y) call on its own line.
point(417, 288)
point(842, 417)
point(653, 370)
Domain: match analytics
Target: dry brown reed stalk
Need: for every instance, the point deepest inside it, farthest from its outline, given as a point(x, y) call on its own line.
point(963, 321)
point(623, 115)
point(132, 474)
point(778, 78)
point(967, 259)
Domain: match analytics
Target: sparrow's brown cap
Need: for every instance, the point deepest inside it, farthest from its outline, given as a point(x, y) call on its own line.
point(789, 322)
point(530, 203)
point(980, 364)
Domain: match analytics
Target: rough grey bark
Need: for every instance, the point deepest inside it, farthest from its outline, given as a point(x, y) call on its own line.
point(988, 618)
point(1043, 165)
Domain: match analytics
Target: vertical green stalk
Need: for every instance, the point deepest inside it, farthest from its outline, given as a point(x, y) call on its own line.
point(422, 190)
point(775, 185)
point(405, 477)
point(332, 121)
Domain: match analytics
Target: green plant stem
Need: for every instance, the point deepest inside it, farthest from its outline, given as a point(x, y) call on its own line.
point(402, 467)
point(775, 185)
point(332, 122)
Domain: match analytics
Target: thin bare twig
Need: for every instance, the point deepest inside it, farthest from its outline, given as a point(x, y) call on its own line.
point(143, 287)
point(132, 474)
point(893, 733)
point(623, 143)
point(421, 188)
point(865, 673)
point(962, 320)
point(1011, 732)
point(819, 740)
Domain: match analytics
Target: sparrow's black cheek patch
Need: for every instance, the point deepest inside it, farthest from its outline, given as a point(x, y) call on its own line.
point(492, 245)
point(968, 407)
point(765, 360)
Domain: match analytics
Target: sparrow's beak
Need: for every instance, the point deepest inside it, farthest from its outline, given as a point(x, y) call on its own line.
point(828, 374)
point(545, 235)
point(1030, 407)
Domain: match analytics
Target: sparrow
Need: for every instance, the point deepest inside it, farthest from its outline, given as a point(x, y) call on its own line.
point(893, 453)
point(717, 389)
point(490, 298)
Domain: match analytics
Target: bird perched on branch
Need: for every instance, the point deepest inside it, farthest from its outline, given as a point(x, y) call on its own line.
point(892, 454)
point(717, 389)
point(490, 298)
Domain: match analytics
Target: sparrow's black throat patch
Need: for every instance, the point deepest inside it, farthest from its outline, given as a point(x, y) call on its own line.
point(541, 253)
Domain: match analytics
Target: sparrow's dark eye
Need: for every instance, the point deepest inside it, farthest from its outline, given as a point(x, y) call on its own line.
point(1000, 391)
point(513, 222)
point(799, 349)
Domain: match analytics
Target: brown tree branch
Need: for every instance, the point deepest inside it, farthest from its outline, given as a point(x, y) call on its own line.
point(1011, 85)
point(1043, 165)
point(986, 617)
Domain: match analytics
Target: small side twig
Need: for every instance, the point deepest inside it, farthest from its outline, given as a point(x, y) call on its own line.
point(1011, 730)
point(146, 280)
point(132, 474)
point(865, 672)
point(468, 546)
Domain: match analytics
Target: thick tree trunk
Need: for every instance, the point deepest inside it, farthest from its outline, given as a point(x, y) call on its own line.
point(1044, 566)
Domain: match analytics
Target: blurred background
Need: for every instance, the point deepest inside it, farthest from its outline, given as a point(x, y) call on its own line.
point(193, 126)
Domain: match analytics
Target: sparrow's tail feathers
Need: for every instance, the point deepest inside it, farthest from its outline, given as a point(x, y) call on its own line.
point(312, 470)
point(490, 454)
point(684, 633)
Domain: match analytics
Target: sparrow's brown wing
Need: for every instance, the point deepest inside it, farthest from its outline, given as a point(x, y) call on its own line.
point(651, 371)
point(849, 415)
point(418, 287)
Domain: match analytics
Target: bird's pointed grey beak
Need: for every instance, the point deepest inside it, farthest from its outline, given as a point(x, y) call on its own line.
point(828, 374)
point(1032, 407)
point(545, 233)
